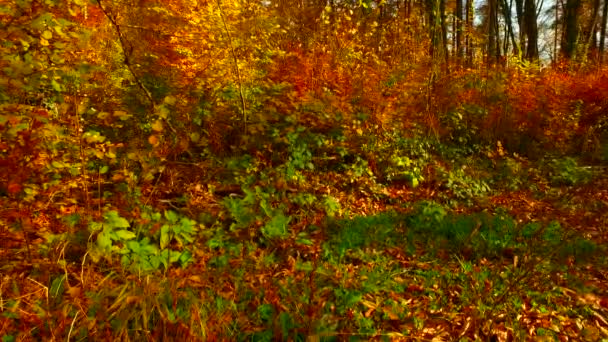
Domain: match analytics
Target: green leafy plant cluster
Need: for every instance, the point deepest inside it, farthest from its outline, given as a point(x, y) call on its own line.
point(361, 232)
point(478, 234)
point(257, 210)
point(566, 171)
point(492, 235)
point(358, 171)
point(463, 124)
point(156, 244)
point(401, 159)
point(463, 187)
point(404, 168)
point(511, 173)
point(300, 155)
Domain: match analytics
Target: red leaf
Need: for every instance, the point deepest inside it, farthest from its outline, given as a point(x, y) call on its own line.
point(14, 188)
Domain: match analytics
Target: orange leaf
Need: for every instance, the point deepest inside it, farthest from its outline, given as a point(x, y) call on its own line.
point(153, 140)
point(14, 188)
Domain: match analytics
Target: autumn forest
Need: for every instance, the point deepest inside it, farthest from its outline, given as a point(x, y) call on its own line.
point(303, 170)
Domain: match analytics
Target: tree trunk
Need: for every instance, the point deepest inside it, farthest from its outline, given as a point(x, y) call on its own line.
point(571, 30)
point(437, 30)
point(458, 28)
point(493, 41)
point(470, 11)
point(554, 57)
point(444, 34)
point(591, 45)
point(531, 30)
point(603, 30)
point(519, 10)
point(509, 32)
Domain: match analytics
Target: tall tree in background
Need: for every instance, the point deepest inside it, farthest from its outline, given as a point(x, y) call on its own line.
point(470, 13)
point(437, 31)
point(603, 30)
point(507, 7)
point(528, 28)
point(492, 27)
point(591, 42)
point(531, 29)
point(571, 29)
point(519, 12)
point(554, 57)
point(458, 30)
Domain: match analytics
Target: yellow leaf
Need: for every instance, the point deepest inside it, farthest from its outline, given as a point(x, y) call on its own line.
point(44, 42)
point(102, 115)
point(157, 126)
point(122, 115)
point(162, 111)
point(194, 137)
point(170, 100)
point(82, 108)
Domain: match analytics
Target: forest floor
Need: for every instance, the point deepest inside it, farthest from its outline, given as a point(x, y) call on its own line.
point(391, 263)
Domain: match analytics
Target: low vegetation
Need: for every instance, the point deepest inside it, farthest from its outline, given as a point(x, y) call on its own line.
point(276, 191)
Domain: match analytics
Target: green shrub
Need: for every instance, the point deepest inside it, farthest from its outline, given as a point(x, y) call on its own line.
point(463, 186)
point(142, 248)
point(565, 171)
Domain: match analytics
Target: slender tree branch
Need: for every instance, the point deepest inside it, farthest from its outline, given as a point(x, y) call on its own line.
point(236, 63)
point(126, 53)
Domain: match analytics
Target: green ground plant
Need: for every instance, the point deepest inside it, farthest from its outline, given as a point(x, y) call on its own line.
point(142, 249)
point(566, 171)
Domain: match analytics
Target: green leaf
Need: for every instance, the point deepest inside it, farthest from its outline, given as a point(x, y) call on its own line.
point(332, 206)
point(171, 216)
point(306, 266)
point(123, 234)
point(115, 221)
point(164, 255)
point(42, 21)
point(149, 249)
point(174, 256)
point(277, 226)
point(266, 312)
point(187, 225)
point(164, 236)
point(304, 241)
point(134, 246)
point(267, 209)
point(415, 182)
point(8, 338)
point(56, 86)
point(155, 262)
point(104, 241)
point(93, 226)
point(185, 258)
point(57, 286)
